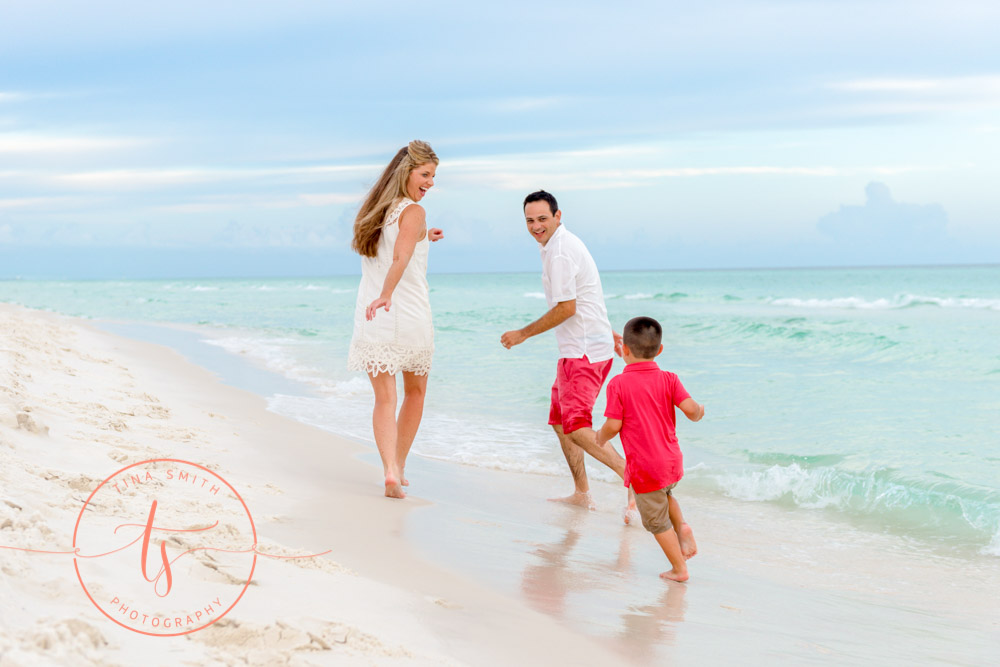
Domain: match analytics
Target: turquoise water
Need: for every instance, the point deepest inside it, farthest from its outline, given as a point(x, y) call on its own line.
point(870, 396)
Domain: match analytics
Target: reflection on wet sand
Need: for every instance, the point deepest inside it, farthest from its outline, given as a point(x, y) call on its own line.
point(554, 572)
point(653, 624)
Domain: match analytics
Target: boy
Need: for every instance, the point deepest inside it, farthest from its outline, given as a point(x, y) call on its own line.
point(641, 407)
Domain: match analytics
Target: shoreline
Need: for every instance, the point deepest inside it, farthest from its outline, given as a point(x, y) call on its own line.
point(583, 582)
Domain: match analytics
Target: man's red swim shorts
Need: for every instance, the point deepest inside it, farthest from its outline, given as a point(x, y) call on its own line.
point(578, 383)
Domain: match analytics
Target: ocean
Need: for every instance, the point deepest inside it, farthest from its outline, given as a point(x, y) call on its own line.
point(868, 398)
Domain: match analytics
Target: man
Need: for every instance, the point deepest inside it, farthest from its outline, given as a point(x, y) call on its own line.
point(586, 342)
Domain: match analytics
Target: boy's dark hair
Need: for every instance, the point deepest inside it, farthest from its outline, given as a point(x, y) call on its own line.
point(542, 195)
point(643, 336)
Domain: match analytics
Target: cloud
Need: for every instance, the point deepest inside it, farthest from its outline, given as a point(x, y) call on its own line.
point(596, 169)
point(525, 104)
point(16, 142)
point(972, 86)
point(138, 179)
point(885, 230)
point(240, 235)
point(11, 97)
point(921, 95)
point(178, 235)
point(22, 202)
point(329, 199)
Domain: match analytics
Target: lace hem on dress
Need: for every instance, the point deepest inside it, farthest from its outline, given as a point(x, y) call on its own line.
point(375, 358)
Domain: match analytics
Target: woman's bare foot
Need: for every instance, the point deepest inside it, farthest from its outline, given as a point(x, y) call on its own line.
point(674, 575)
point(580, 499)
point(393, 489)
point(688, 546)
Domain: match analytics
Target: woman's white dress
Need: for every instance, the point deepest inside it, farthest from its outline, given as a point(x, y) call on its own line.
point(403, 338)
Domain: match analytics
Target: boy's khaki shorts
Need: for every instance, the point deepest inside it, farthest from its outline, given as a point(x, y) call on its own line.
point(654, 508)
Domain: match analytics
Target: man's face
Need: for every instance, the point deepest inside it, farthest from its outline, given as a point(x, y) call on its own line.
point(542, 223)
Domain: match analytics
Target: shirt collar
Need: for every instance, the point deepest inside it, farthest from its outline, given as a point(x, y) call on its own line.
point(556, 233)
point(642, 366)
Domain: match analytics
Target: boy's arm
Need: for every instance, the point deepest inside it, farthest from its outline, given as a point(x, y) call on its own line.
point(611, 428)
point(692, 409)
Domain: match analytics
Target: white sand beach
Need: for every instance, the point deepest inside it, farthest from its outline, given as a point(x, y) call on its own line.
point(77, 404)
point(474, 567)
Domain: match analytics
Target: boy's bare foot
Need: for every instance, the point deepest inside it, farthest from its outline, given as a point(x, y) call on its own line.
point(393, 489)
point(580, 499)
point(688, 546)
point(673, 575)
point(631, 515)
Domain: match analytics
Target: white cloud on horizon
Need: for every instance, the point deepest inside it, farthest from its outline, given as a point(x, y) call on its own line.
point(240, 235)
point(882, 225)
point(189, 235)
point(22, 202)
point(233, 203)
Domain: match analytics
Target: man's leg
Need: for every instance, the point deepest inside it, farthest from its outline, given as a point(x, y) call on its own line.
point(581, 388)
point(574, 458)
point(573, 454)
point(586, 438)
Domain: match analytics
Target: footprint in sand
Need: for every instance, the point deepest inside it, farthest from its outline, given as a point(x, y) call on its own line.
point(66, 637)
point(277, 643)
point(26, 422)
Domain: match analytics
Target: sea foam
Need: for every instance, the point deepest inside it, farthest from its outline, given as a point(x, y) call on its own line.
point(897, 302)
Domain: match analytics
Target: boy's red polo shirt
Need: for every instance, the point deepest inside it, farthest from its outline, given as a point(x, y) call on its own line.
point(643, 397)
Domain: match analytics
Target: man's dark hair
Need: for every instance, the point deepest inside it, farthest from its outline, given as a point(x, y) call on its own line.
point(643, 336)
point(542, 195)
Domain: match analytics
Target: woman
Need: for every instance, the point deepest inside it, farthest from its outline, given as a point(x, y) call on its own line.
point(391, 235)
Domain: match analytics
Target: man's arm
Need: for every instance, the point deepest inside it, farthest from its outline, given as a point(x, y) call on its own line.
point(692, 409)
point(558, 314)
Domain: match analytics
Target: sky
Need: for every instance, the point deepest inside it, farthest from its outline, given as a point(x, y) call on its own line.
point(192, 139)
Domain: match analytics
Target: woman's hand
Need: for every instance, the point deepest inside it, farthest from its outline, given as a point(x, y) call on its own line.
point(381, 302)
point(435, 234)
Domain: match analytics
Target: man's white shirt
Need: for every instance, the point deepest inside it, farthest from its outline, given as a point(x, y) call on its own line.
point(569, 272)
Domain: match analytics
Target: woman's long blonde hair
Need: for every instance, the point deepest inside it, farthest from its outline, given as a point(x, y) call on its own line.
point(389, 189)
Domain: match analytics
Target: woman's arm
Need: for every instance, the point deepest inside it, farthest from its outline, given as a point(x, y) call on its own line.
point(411, 228)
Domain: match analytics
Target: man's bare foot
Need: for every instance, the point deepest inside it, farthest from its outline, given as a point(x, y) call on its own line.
point(580, 499)
point(674, 575)
point(405, 481)
point(630, 515)
point(689, 548)
point(393, 489)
